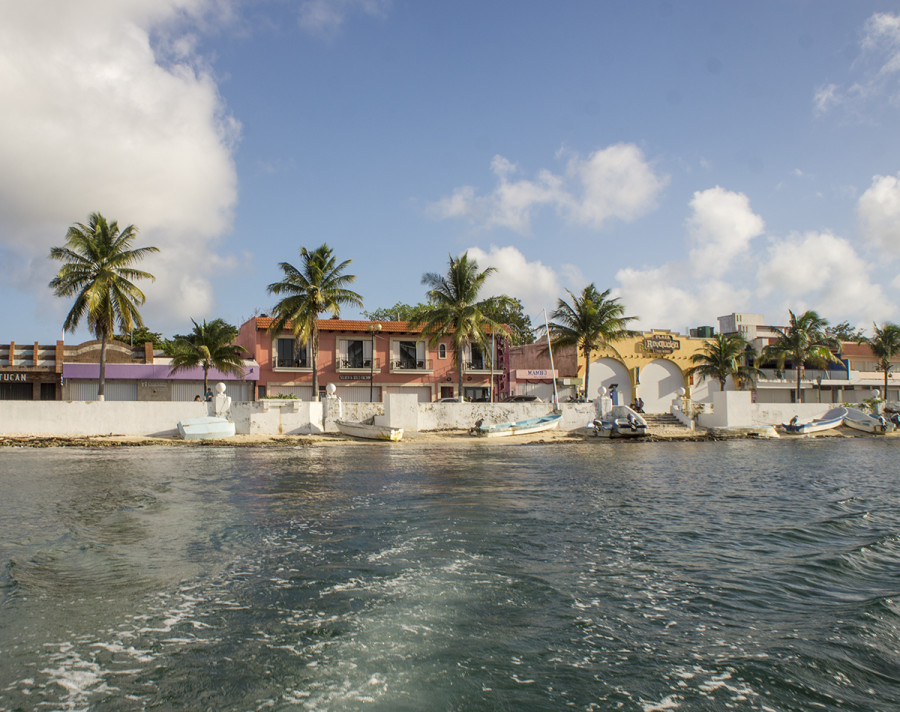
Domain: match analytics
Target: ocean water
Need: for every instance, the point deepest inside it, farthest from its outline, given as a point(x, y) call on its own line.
point(486, 576)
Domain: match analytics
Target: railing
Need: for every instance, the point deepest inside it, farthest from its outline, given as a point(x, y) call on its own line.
point(479, 366)
point(294, 363)
point(411, 365)
point(807, 375)
point(363, 364)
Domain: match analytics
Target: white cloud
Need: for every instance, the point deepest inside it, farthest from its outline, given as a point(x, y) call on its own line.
point(878, 210)
point(720, 227)
point(875, 73)
point(106, 120)
point(613, 183)
point(823, 272)
point(535, 284)
point(663, 297)
point(326, 17)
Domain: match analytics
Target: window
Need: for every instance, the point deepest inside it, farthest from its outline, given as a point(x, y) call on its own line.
point(355, 353)
point(289, 355)
point(477, 360)
point(442, 350)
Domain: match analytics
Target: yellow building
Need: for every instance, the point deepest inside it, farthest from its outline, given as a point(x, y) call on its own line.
point(651, 365)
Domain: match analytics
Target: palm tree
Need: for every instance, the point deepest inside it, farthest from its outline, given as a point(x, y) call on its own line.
point(209, 346)
point(722, 357)
point(98, 270)
point(455, 310)
point(593, 320)
point(804, 341)
point(885, 345)
point(318, 286)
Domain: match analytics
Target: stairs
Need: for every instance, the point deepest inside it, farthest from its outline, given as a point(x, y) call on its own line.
point(656, 421)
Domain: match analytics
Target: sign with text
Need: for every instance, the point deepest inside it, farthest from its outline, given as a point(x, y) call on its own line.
point(661, 344)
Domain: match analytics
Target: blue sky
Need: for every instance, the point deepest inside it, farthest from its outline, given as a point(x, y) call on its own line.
point(696, 158)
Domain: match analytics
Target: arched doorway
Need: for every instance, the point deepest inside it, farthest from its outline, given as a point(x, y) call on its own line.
point(607, 372)
point(659, 383)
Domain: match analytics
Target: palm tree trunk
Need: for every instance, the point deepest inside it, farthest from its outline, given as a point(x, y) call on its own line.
point(798, 384)
point(459, 372)
point(205, 380)
point(884, 395)
point(101, 391)
point(587, 372)
point(314, 351)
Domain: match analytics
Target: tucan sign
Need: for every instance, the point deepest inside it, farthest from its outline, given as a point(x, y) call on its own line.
point(661, 344)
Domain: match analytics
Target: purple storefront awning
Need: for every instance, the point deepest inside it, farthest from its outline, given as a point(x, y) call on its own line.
point(151, 372)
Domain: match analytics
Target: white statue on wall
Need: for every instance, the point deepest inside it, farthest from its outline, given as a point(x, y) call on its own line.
point(221, 402)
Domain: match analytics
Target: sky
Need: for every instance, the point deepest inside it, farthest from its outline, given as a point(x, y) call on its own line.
point(696, 158)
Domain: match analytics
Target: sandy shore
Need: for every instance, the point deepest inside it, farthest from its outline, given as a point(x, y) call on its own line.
point(447, 436)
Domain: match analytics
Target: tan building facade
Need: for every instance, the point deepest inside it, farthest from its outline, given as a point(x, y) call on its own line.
point(651, 365)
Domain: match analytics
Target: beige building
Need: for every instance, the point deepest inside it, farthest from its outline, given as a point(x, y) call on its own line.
point(651, 365)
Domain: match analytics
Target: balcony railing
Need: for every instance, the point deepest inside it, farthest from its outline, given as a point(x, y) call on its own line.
point(363, 364)
point(807, 375)
point(479, 367)
point(403, 365)
point(281, 363)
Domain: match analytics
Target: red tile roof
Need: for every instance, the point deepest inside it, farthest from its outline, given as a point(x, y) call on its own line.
point(353, 325)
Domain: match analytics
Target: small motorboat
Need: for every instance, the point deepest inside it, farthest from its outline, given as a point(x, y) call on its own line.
point(210, 427)
point(519, 427)
point(867, 423)
point(831, 419)
point(368, 430)
point(206, 428)
point(620, 422)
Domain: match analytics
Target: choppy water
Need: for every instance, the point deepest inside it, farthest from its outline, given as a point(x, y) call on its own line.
point(597, 576)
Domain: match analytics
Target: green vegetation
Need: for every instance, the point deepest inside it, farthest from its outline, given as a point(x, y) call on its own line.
point(804, 341)
point(97, 270)
point(724, 356)
point(455, 310)
point(885, 344)
point(209, 346)
point(318, 286)
point(593, 320)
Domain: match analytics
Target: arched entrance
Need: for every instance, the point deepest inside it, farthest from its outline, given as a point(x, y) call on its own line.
point(607, 372)
point(659, 383)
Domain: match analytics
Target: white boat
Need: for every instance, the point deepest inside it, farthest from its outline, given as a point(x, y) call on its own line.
point(867, 423)
point(519, 427)
point(206, 428)
point(831, 419)
point(620, 422)
point(369, 430)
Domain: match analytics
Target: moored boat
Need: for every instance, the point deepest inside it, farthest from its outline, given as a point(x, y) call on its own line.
point(206, 428)
point(518, 427)
point(620, 422)
point(369, 431)
point(867, 423)
point(832, 419)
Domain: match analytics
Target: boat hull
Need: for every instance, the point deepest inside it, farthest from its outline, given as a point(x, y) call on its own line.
point(206, 428)
point(368, 431)
point(830, 420)
point(520, 427)
point(866, 423)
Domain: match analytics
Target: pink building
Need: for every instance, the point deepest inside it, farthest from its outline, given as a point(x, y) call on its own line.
point(366, 360)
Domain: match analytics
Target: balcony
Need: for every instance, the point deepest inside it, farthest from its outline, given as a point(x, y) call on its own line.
point(808, 376)
point(478, 367)
point(358, 365)
point(290, 365)
point(406, 365)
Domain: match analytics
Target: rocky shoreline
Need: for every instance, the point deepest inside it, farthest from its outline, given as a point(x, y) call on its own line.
point(671, 434)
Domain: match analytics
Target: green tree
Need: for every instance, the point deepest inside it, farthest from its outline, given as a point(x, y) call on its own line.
point(512, 313)
point(724, 356)
point(140, 335)
point(803, 341)
point(209, 346)
point(885, 344)
point(455, 310)
point(845, 332)
point(318, 286)
point(593, 320)
point(398, 312)
point(98, 271)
